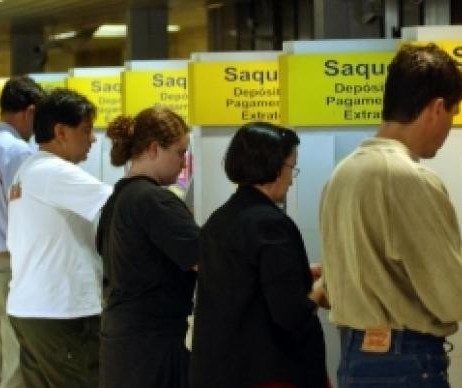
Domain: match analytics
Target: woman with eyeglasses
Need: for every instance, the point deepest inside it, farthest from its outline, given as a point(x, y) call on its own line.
point(255, 323)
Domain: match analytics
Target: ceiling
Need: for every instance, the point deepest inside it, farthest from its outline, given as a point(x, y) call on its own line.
point(59, 15)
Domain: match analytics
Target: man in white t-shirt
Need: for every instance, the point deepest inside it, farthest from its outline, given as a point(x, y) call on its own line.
point(55, 292)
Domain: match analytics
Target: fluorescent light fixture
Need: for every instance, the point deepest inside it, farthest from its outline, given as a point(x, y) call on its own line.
point(173, 28)
point(120, 30)
point(63, 35)
point(111, 31)
point(215, 5)
point(107, 31)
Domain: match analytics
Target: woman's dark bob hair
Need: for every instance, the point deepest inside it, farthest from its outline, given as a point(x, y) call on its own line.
point(257, 153)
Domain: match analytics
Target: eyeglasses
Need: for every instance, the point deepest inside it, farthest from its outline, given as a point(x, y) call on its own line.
point(295, 170)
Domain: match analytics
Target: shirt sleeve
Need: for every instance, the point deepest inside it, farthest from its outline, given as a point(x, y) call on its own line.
point(425, 236)
point(171, 228)
point(283, 278)
point(73, 189)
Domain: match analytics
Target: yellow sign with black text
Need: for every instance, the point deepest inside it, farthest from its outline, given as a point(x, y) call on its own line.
point(166, 88)
point(104, 92)
point(333, 89)
point(453, 48)
point(233, 93)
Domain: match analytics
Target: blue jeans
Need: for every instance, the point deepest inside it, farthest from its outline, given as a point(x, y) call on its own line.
point(414, 360)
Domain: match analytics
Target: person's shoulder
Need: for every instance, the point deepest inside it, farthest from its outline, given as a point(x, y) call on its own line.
point(144, 189)
point(140, 186)
point(13, 145)
point(61, 171)
point(265, 211)
point(411, 176)
point(428, 176)
point(263, 216)
point(60, 166)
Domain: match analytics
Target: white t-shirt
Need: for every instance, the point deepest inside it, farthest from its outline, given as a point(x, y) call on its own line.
point(56, 272)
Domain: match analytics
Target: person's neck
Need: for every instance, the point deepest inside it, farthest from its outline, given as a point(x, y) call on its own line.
point(404, 133)
point(267, 189)
point(140, 168)
point(14, 120)
point(52, 148)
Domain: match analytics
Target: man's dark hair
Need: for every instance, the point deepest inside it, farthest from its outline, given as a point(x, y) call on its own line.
point(61, 106)
point(417, 75)
point(257, 153)
point(19, 93)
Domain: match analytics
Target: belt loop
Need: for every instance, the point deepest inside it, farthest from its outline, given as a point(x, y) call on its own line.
point(397, 339)
point(346, 339)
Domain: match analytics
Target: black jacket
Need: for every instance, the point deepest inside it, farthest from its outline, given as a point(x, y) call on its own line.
point(148, 240)
point(253, 320)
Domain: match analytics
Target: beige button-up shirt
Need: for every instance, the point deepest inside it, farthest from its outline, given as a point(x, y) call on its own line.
point(391, 243)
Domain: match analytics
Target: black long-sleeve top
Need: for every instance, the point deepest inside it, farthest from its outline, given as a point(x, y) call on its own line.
point(253, 320)
point(149, 243)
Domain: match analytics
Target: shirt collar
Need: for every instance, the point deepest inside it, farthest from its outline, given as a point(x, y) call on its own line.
point(7, 127)
point(391, 143)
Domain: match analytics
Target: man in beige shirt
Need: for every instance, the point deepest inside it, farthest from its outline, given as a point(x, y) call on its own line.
point(391, 243)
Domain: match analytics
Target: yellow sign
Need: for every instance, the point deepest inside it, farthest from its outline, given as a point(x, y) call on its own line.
point(167, 88)
point(104, 92)
point(233, 93)
point(333, 89)
point(453, 48)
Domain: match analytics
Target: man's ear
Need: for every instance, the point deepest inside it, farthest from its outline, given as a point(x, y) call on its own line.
point(30, 110)
point(60, 132)
point(439, 105)
point(434, 109)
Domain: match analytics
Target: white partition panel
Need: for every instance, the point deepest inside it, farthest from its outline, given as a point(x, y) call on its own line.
point(316, 159)
point(211, 186)
point(109, 173)
point(98, 162)
point(94, 159)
